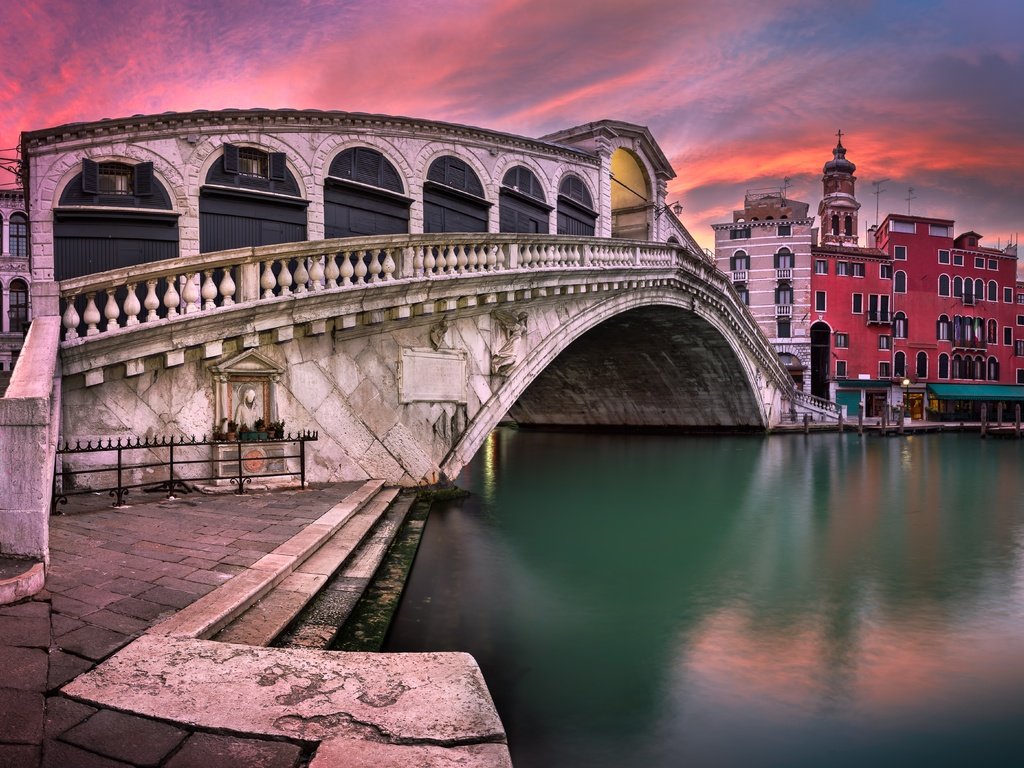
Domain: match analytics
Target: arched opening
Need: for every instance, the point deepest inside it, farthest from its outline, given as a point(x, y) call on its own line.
point(364, 195)
point(794, 367)
point(899, 364)
point(453, 198)
point(576, 214)
point(17, 306)
point(250, 198)
point(631, 197)
point(821, 355)
point(922, 365)
point(18, 235)
point(521, 204)
point(112, 215)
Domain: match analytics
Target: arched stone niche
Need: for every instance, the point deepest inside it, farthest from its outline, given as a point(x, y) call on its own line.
point(245, 389)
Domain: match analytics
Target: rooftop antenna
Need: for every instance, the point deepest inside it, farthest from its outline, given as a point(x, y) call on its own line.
point(910, 196)
point(785, 187)
point(878, 191)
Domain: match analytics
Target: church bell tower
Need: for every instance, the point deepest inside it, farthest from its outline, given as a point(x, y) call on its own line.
point(838, 209)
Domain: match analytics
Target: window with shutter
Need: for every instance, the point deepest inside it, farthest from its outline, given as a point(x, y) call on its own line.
point(278, 166)
point(230, 158)
point(143, 179)
point(90, 177)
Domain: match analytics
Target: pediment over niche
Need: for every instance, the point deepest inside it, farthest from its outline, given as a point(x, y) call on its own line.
point(248, 363)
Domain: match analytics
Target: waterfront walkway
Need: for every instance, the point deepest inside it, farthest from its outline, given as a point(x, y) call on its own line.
point(121, 586)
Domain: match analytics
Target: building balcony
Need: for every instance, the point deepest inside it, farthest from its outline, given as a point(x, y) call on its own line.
point(968, 299)
point(783, 310)
point(1018, 347)
point(783, 274)
point(969, 344)
point(878, 317)
point(739, 275)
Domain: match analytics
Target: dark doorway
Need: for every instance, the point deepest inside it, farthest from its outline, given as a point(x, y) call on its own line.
point(821, 340)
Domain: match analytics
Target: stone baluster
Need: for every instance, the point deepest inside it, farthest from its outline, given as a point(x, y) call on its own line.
point(331, 271)
point(389, 266)
point(71, 319)
point(472, 259)
point(267, 280)
point(375, 266)
point(360, 267)
point(171, 297)
point(347, 270)
point(284, 278)
point(208, 291)
point(151, 302)
point(301, 276)
point(428, 261)
point(227, 289)
point(451, 260)
point(405, 265)
point(91, 315)
point(316, 273)
point(111, 311)
point(190, 293)
point(132, 307)
point(461, 258)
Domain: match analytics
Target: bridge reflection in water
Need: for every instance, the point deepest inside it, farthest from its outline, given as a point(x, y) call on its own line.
point(666, 601)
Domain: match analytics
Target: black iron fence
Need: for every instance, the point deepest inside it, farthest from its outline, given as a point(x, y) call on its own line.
point(173, 464)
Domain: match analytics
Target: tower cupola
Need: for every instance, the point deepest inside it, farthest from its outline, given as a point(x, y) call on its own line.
point(839, 207)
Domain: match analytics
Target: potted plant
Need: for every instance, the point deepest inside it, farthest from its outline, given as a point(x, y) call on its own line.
point(232, 430)
point(276, 429)
point(260, 429)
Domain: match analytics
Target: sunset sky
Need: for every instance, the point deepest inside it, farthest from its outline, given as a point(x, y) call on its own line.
point(739, 94)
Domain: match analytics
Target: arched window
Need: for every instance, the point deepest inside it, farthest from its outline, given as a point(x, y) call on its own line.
point(993, 369)
point(19, 235)
point(993, 291)
point(900, 282)
point(576, 214)
point(784, 259)
point(521, 206)
point(364, 195)
point(835, 223)
point(848, 225)
point(453, 198)
point(942, 328)
point(968, 367)
point(899, 364)
point(17, 307)
point(922, 365)
point(784, 294)
point(979, 289)
point(899, 325)
point(992, 333)
point(943, 366)
point(958, 286)
point(979, 367)
point(739, 261)
point(958, 365)
point(943, 285)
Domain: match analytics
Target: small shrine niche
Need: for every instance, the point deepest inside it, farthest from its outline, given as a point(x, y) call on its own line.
point(245, 390)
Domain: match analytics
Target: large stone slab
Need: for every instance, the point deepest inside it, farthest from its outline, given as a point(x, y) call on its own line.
point(434, 698)
point(350, 753)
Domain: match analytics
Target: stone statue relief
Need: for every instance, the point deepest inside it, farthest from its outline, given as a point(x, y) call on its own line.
point(439, 332)
point(248, 408)
point(513, 329)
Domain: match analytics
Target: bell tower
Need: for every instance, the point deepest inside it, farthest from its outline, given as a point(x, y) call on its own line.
point(838, 209)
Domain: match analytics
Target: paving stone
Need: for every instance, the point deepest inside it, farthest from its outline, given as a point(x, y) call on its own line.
point(71, 607)
point(210, 577)
point(118, 622)
point(26, 632)
point(207, 750)
point(19, 755)
point(22, 668)
point(63, 713)
point(92, 595)
point(174, 598)
point(93, 642)
point(136, 608)
point(128, 586)
point(64, 667)
point(57, 754)
point(62, 624)
point(358, 753)
point(21, 717)
point(30, 609)
point(183, 585)
point(125, 737)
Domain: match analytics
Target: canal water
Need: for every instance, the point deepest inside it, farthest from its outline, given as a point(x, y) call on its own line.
point(736, 601)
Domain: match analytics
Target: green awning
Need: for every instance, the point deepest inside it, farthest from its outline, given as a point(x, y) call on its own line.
point(863, 384)
point(990, 392)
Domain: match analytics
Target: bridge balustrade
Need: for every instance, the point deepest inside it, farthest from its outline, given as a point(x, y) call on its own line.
point(147, 293)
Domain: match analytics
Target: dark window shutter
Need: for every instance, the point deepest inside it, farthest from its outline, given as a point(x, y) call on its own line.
point(143, 181)
point(230, 158)
point(278, 166)
point(436, 172)
point(90, 177)
point(368, 167)
point(391, 180)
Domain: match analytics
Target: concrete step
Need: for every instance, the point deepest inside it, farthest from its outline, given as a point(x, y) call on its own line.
point(268, 617)
point(319, 623)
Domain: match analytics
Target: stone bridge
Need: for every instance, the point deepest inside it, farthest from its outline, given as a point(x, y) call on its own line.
point(404, 351)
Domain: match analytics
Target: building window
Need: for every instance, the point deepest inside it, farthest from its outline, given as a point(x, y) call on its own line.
point(907, 227)
point(835, 223)
point(784, 294)
point(819, 301)
point(17, 308)
point(858, 269)
point(885, 271)
point(993, 291)
point(848, 226)
point(958, 259)
point(992, 332)
point(884, 369)
point(743, 293)
point(922, 365)
point(993, 265)
point(899, 366)
point(979, 262)
point(1020, 375)
point(900, 282)
point(840, 369)
point(943, 257)
point(739, 260)
point(858, 303)
point(253, 162)
point(942, 328)
point(943, 366)
point(1007, 336)
point(1020, 319)
point(1018, 348)
point(899, 253)
point(820, 267)
point(785, 230)
point(783, 328)
point(784, 259)
point(115, 179)
point(958, 287)
point(843, 268)
point(19, 235)
point(943, 285)
point(993, 369)
point(739, 234)
point(1007, 295)
point(939, 230)
point(899, 325)
point(842, 340)
point(884, 342)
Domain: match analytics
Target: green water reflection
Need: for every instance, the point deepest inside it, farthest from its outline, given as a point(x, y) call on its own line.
point(785, 601)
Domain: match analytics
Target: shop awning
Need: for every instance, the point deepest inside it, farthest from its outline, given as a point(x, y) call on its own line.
point(988, 392)
point(863, 384)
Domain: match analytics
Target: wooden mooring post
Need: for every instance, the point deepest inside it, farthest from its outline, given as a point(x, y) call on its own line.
point(1016, 419)
point(984, 419)
point(999, 414)
point(860, 419)
point(807, 423)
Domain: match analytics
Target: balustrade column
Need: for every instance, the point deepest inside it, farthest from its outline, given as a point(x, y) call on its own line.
point(132, 307)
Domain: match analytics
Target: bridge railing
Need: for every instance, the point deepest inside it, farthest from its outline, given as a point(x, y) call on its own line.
point(163, 290)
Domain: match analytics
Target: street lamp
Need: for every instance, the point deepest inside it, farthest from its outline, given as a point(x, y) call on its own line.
point(675, 207)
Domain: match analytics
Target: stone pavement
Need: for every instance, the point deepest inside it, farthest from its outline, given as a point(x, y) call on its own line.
point(114, 573)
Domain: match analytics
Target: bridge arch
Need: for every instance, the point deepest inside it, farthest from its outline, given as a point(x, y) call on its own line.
point(747, 407)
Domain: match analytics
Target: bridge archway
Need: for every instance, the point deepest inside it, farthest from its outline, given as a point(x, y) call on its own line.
point(678, 360)
point(631, 196)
